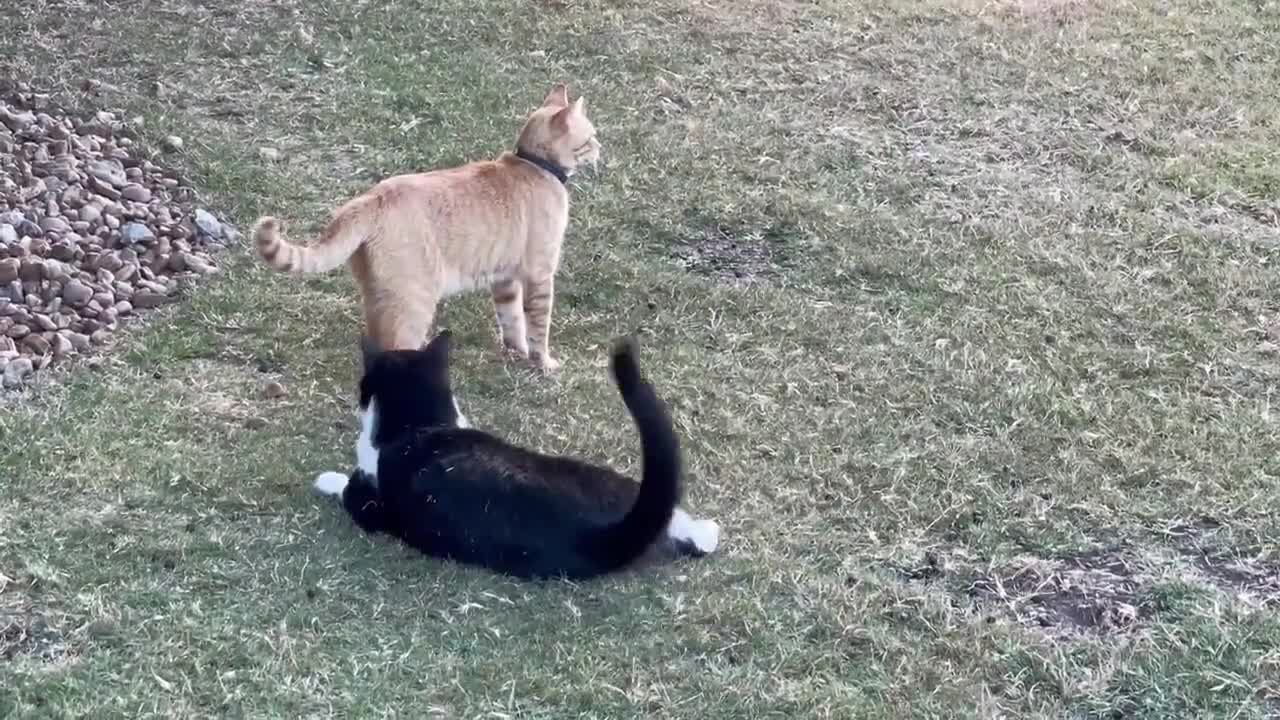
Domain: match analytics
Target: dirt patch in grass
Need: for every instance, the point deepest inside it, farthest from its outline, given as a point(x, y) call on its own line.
point(25, 632)
point(728, 254)
point(1259, 581)
point(1110, 590)
point(1094, 592)
point(734, 249)
point(221, 391)
point(1255, 580)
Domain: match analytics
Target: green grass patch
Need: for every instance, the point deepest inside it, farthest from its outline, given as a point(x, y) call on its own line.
point(961, 309)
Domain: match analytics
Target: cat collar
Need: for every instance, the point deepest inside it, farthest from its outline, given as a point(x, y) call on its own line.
point(560, 173)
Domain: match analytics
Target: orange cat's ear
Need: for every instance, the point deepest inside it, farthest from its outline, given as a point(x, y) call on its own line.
point(560, 120)
point(558, 97)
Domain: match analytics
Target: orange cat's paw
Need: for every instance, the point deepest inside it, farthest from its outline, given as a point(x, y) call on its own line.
point(546, 363)
point(515, 352)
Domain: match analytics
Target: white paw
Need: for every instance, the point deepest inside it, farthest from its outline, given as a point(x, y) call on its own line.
point(704, 534)
point(331, 483)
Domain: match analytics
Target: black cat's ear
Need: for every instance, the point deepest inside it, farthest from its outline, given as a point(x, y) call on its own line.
point(437, 351)
point(369, 350)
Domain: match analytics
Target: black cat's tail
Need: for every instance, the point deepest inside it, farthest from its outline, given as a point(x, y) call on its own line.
point(619, 544)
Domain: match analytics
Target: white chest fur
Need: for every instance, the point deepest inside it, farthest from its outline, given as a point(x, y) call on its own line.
point(366, 453)
point(335, 483)
point(461, 421)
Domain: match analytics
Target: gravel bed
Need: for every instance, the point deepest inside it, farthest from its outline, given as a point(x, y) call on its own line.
point(92, 232)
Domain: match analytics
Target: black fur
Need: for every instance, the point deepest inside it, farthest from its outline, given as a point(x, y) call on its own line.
point(469, 496)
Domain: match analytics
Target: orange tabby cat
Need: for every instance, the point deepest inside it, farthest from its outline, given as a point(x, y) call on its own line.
point(412, 240)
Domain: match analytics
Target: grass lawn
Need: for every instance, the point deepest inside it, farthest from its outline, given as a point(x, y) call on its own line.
point(967, 310)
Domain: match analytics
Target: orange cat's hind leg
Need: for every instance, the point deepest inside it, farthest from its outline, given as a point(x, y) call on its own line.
point(508, 307)
point(400, 326)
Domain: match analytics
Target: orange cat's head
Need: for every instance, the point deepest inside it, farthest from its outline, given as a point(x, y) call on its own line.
point(560, 132)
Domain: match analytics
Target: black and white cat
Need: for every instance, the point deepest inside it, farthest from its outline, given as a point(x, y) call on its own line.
point(453, 492)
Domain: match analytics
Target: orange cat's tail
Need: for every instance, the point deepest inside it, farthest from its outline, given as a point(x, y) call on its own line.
point(350, 227)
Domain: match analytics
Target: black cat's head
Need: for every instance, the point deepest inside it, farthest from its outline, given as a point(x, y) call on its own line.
point(406, 390)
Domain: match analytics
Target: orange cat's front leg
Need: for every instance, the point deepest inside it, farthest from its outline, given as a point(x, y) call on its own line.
point(508, 306)
point(539, 294)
